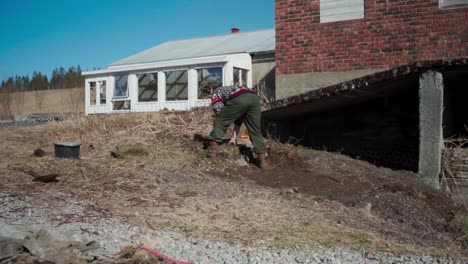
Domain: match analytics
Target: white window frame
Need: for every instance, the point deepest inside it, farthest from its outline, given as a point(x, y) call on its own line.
point(186, 70)
point(448, 4)
point(207, 66)
point(341, 10)
point(158, 83)
point(120, 99)
point(241, 71)
point(127, 95)
point(100, 92)
point(96, 102)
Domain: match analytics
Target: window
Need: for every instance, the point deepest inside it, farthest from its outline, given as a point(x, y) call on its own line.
point(103, 91)
point(176, 85)
point(453, 3)
point(340, 10)
point(244, 77)
point(208, 80)
point(147, 87)
point(121, 89)
point(240, 76)
point(121, 105)
point(92, 93)
point(236, 76)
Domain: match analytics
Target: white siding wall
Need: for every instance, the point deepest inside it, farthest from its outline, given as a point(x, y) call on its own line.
point(228, 62)
point(192, 86)
point(340, 10)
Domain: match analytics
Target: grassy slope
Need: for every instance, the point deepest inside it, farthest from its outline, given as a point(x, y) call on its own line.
point(176, 186)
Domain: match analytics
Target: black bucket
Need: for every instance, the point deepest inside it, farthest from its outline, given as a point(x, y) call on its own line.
point(67, 149)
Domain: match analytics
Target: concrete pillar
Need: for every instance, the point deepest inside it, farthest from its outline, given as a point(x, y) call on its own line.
point(431, 98)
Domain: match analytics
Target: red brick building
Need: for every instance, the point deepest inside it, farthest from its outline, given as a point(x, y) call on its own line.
point(381, 80)
point(323, 42)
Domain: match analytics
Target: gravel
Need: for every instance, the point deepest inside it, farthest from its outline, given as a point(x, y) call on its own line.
point(115, 233)
point(33, 121)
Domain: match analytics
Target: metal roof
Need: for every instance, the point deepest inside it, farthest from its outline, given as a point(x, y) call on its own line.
point(241, 42)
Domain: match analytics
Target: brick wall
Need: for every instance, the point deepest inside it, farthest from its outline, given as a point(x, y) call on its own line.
point(392, 32)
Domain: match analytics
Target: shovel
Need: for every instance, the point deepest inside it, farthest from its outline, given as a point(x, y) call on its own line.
point(38, 177)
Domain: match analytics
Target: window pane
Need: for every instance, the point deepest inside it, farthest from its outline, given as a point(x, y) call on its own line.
point(121, 89)
point(176, 85)
point(209, 79)
point(236, 76)
point(453, 3)
point(121, 105)
point(92, 93)
point(244, 77)
point(147, 87)
point(103, 91)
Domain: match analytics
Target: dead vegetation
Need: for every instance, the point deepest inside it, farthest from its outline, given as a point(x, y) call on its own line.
point(308, 198)
point(450, 166)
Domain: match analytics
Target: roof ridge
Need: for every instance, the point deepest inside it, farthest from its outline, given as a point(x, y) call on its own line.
point(219, 35)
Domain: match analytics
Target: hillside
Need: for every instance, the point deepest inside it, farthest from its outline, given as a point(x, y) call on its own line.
point(307, 199)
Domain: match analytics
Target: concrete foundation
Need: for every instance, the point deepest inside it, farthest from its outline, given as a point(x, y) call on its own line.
point(396, 118)
point(431, 100)
point(294, 84)
point(382, 130)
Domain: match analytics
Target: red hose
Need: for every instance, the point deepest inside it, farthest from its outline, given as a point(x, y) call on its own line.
point(160, 255)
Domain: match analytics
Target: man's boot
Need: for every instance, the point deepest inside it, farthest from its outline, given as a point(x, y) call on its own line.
point(212, 149)
point(262, 164)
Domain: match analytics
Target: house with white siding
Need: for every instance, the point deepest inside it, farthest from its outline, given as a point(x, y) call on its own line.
point(180, 74)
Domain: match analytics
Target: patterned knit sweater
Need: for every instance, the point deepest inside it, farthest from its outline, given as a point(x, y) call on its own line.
point(225, 93)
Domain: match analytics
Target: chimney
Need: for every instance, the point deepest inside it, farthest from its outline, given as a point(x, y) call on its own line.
point(234, 30)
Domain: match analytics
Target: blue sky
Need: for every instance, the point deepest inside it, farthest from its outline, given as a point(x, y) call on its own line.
point(41, 35)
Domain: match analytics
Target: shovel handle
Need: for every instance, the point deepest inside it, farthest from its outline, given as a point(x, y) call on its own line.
point(30, 172)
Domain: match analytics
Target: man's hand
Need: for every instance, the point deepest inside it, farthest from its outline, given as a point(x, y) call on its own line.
point(232, 141)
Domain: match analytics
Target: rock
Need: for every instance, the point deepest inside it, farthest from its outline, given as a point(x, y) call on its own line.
point(39, 152)
point(122, 151)
point(185, 191)
point(241, 162)
point(20, 118)
point(3, 164)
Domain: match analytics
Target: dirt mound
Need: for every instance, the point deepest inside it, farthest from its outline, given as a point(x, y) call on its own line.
point(421, 213)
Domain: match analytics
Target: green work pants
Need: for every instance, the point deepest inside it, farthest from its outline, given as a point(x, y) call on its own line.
point(246, 105)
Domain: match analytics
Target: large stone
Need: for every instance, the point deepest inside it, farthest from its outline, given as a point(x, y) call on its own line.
point(122, 151)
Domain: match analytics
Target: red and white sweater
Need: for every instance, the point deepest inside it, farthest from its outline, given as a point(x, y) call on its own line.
point(225, 93)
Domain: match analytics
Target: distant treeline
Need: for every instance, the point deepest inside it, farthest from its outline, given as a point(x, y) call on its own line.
point(60, 79)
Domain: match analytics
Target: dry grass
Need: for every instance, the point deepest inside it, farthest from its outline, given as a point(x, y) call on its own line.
point(449, 172)
point(173, 186)
point(131, 255)
point(142, 126)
